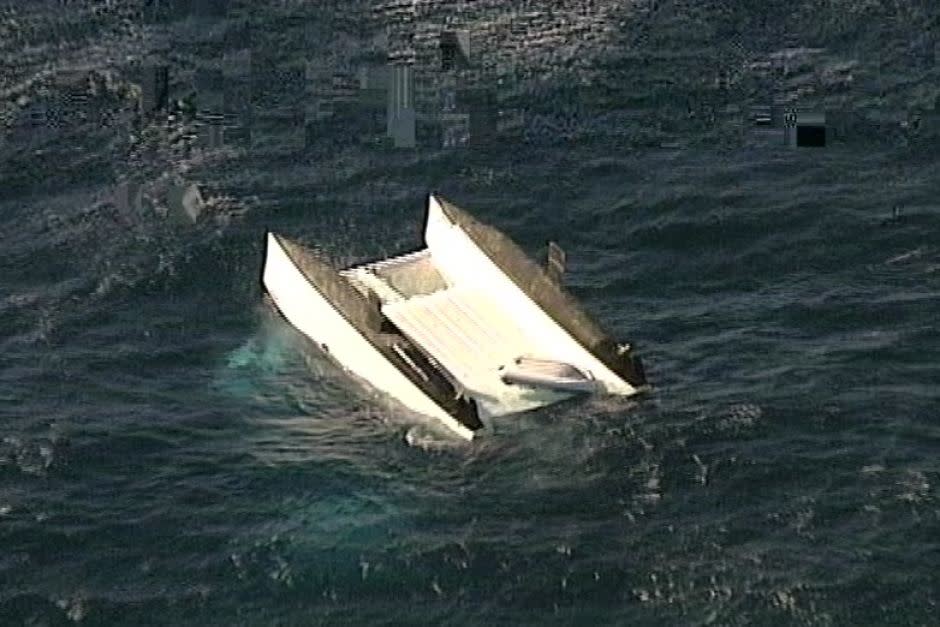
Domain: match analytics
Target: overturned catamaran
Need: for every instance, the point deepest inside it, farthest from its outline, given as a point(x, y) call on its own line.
point(463, 330)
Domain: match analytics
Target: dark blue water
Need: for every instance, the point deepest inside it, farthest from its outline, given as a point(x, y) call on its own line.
point(173, 453)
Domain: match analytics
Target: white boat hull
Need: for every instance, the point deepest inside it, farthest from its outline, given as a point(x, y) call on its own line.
point(436, 328)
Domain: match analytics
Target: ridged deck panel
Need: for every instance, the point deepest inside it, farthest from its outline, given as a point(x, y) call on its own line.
point(466, 331)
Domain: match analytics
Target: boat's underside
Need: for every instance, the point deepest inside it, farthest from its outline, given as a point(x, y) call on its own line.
point(435, 328)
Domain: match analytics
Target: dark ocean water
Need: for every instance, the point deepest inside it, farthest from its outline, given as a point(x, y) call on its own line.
point(173, 453)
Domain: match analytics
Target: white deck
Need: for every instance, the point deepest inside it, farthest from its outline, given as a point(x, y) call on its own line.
point(471, 336)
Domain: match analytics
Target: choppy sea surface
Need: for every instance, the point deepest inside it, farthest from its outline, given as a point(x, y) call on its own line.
point(172, 452)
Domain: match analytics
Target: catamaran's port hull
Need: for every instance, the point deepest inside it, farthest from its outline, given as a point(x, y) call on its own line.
point(312, 314)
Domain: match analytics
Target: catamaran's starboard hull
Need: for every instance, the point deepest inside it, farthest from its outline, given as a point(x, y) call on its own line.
point(470, 253)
